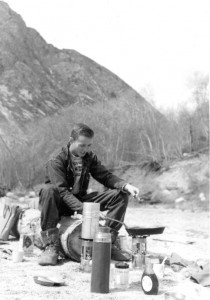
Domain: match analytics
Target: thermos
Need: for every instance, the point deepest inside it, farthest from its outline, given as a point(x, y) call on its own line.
point(101, 261)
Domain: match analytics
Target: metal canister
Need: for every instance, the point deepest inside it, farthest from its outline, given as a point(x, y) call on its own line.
point(90, 220)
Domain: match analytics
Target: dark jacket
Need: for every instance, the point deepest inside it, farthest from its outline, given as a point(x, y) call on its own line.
point(59, 172)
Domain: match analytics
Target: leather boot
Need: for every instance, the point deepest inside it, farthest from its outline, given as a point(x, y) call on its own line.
point(49, 255)
point(116, 252)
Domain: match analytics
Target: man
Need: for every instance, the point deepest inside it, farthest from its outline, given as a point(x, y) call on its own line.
point(65, 191)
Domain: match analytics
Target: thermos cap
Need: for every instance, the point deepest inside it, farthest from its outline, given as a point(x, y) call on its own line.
point(149, 259)
point(103, 229)
point(89, 207)
point(121, 265)
point(103, 235)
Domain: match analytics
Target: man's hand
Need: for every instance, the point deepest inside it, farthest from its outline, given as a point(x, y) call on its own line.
point(134, 191)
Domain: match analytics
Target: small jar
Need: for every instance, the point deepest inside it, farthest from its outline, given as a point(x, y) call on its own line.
point(122, 275)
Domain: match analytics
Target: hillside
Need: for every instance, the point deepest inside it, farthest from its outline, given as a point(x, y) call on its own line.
point(37, 79)
point(184, 184)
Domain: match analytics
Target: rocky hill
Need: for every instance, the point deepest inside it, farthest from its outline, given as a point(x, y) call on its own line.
point(37, 79)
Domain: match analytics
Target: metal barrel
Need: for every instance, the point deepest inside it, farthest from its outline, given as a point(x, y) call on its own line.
point(70, 241)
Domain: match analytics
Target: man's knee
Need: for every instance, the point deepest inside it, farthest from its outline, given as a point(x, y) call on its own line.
point(48, 193)
point(121, 197)
point(48, 189)
point(124, 198)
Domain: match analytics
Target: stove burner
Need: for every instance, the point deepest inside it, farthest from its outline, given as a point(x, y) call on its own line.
point(139, 250)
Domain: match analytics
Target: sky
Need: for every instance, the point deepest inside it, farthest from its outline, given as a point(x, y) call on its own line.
point(153, 45)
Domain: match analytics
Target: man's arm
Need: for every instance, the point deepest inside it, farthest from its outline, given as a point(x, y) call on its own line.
point(105, 177)
point(57, 176)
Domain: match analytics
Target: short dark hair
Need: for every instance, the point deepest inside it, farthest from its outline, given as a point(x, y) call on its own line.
point(81, 129)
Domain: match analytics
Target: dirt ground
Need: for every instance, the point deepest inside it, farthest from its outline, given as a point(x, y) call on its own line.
point(186, 233)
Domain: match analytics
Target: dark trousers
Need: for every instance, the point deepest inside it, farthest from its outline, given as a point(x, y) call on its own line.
point(53, 207)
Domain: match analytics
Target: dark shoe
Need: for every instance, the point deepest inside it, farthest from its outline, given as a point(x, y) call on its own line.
point(49, 255)
point(114, 235)
point(118, 254)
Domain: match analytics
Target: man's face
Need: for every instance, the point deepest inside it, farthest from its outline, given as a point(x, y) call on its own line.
point(81, 146)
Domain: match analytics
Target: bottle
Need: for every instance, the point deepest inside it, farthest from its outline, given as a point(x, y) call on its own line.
point(101, 261)
point(122, 275)
point(149, 280)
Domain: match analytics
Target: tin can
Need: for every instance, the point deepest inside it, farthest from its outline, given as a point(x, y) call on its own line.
point(26, 244)
point(17, 256)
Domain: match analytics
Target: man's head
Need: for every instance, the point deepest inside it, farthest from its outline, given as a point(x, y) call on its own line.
point(81, 139)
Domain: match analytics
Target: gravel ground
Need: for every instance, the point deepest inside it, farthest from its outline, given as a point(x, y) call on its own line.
point(186, 233)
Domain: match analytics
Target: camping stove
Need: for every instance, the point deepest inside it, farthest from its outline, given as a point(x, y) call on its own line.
point(139, 250)
point(139, 242)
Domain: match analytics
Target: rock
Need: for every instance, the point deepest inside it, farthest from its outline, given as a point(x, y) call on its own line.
point(165, 196)
point(180, 203)
point(34, 203)
point(170, 195)
point(22, 199)
point(32, 194)
point(166, 192)
point(11, 195)
point(202, 197)
point(3, 190)
point(179, 200)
